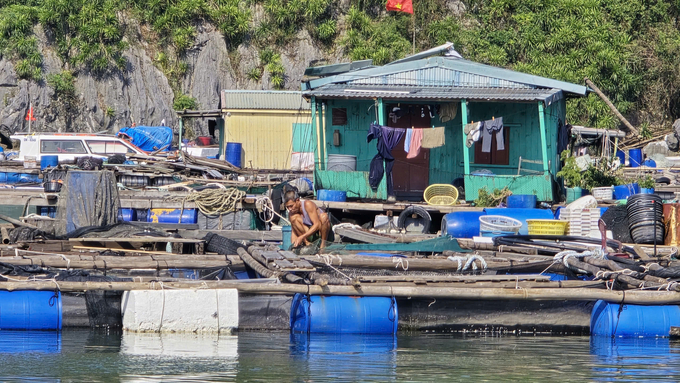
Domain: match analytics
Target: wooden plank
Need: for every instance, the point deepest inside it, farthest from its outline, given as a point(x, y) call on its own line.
point(363, 235)
point(248, 235)
point(284, 264)
point(137, 239)
point(271, 255)
point(289, 255)
point(303, 264)
point(455, 278)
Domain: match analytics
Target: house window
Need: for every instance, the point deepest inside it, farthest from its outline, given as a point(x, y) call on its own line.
point(339, 116)
point(58, 146)
point(495, 156)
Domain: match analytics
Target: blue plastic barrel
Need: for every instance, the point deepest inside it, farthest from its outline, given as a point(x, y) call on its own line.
point(635, 157)
point(610, 319)
point(127, 215)
point(172, 216)
point(286, 232)
point(331, 195)
point(3, 177)
point(340, 314)
point(234, 153)
point(622, 156)
point(49, 161)
point(30, 310)
point(184, 273)
point(625, 191)
point(522, 201)
point(47, 211)
point(461, 224)
point(521, 215)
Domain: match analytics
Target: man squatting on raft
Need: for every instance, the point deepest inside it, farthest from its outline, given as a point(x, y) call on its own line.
point(307, 220)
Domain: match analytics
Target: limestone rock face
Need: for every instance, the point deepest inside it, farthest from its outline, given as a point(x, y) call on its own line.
point(142, 93)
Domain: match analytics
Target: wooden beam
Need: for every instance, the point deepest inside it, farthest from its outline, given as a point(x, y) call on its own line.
point(466, 150)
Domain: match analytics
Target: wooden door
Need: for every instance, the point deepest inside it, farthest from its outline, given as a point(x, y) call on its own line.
point(411, 175)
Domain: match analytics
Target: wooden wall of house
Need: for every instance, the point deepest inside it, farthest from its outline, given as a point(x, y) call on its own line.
point(524, 135)
point(267, 137)
point(555, 115)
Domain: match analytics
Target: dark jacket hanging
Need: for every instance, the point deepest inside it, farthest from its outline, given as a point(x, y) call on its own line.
point(387, 138)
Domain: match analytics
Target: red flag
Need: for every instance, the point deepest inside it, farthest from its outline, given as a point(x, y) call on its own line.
point(29, 115)
point(400, 6)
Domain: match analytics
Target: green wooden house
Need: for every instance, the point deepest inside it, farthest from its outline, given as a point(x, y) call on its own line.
point(438, 88)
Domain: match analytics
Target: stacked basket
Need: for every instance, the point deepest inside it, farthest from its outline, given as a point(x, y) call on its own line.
point(581, 221)
point(645, 218)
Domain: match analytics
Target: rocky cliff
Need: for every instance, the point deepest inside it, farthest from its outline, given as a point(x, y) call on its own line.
point(141, 93)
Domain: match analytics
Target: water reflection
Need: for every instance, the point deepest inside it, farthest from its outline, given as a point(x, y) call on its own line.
point(348, 357)
point(634, 359)
point(12, 342)
point(180, 344)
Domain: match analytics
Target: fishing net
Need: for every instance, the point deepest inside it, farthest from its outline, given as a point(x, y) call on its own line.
point(88, 198)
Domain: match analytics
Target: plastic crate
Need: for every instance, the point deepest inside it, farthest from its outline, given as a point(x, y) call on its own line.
point(546, 226)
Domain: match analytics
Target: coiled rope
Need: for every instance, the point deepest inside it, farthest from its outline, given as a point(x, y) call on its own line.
point(215, 201)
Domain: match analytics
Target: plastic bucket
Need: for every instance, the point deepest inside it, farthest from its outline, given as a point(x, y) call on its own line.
point(234, 153)
point(522, 201)
point(30, 310)
point(612, 320)
point(49, 161)
point(461, 224)
point(635, 157)
point(287, 232)
point(343, 314)
point(491, 225)
point(331, 195)
point(521, 215)
point(342, 163)
point(203, 141)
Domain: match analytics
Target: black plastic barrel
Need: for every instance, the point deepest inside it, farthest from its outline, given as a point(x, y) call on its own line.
point(645, 218)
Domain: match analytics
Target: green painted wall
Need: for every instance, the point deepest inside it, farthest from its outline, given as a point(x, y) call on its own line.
point(446, 163)
point(303, 137)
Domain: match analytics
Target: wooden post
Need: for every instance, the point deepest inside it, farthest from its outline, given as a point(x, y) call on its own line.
point(466, 150)
point(181, 132)
point(222, 128)
point(315, 128)
point(322, 125)
point(544, 140)
point(381, 112)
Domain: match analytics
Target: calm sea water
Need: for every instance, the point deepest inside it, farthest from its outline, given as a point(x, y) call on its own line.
point(88, 356)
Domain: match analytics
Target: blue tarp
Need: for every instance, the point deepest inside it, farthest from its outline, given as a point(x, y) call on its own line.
point(149, 138)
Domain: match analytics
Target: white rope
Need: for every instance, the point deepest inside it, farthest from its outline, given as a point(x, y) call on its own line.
point(346, 225)
point(464, 263)
point(400, 262)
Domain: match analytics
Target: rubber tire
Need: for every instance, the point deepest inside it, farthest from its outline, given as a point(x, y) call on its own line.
point(421, 212)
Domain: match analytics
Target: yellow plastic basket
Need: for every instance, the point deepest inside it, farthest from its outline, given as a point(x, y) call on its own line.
point(546, 226)
point(440, 194)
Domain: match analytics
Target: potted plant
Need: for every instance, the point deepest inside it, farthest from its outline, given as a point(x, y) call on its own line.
point(572, 176)
point(647, 185)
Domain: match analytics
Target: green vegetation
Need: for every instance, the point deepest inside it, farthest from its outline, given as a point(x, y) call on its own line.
point(647, 182)
point(63, 85)
point(486, 199)
point(627, 47)
point(184, 102)
point(570, 172)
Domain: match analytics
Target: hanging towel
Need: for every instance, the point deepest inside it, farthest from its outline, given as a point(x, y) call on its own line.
point(407, 140)
point(416, 139)
point(448, 111)
point(433, 138)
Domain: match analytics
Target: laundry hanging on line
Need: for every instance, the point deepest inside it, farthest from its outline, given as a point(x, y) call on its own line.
point(447, 112)
point(433, 137)
point(491, 126)
point(473, 132)
point(407, 140)
point(387, 139)
point(414, 147)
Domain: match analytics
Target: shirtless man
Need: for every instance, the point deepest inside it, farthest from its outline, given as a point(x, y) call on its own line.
point(306, 220)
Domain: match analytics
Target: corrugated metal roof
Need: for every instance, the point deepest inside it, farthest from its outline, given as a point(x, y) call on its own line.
point(264, 99)
point(436, 93)
point(442, 71)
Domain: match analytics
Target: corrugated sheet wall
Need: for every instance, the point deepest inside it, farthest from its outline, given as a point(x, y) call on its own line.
point(267, 138)
point(360, 115)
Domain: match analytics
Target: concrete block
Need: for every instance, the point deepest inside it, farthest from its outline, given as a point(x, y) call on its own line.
point(207, 345)
point(198, 311)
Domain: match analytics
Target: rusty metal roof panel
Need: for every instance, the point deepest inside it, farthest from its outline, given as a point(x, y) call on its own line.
point(264, 99)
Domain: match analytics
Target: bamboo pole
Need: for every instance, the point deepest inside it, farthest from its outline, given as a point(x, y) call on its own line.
point(612, 107)
point(641, 297)
point(408, 263)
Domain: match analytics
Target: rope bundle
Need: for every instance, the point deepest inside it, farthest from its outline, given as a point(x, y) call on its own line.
point(216, 201)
